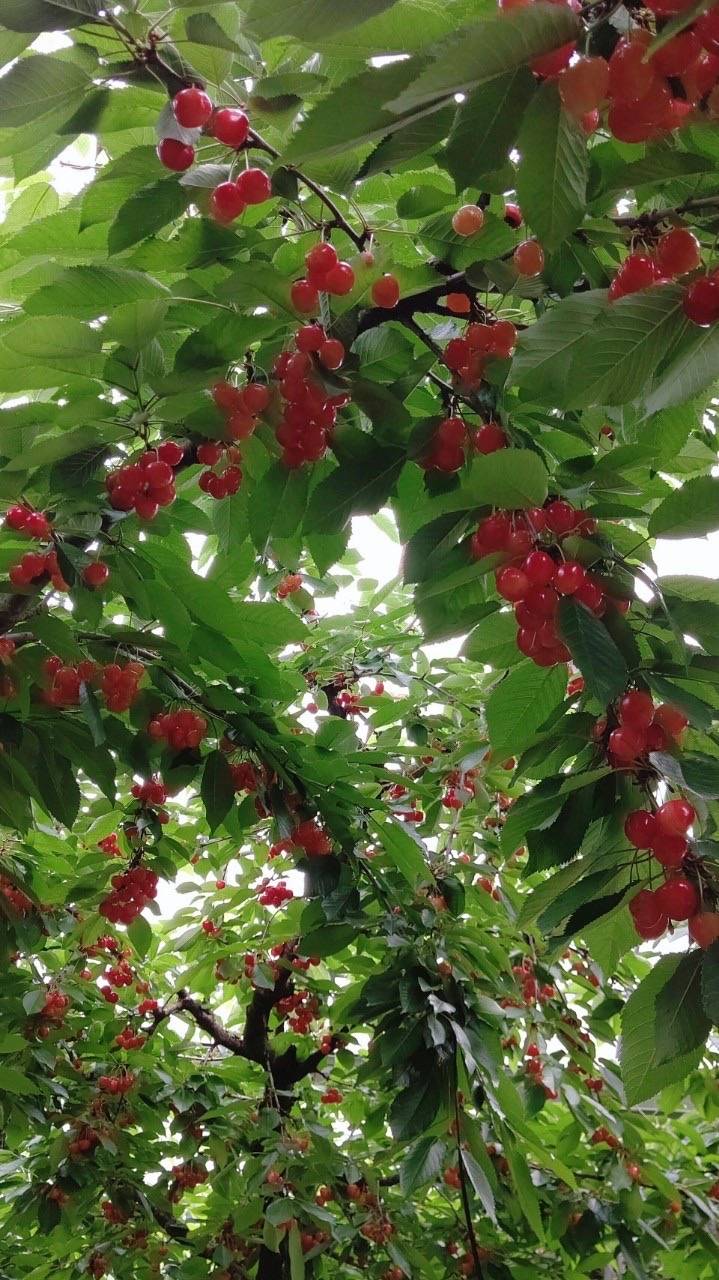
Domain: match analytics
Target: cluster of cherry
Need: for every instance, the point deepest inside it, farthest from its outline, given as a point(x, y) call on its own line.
point(309, 413)
point(325, 273)
point(129, 1039)
point(120, 974)
point(642, 728)
point(538, 575)
point(151, 794)
point(131, 892)
point(119, 1084)
point(460, 787)
point(35, 565)
point(186, 1176)
point(310, 1240)
point(85, 1142)
point(181, 729)
point(291, 583)
point(110, 846)
point(605, 1136)
point(193, 109)
point(113, 1214)
point(301, 1009)
point(244, 776)
point(640, 87)
point(331, 1096)
point(466, 358)
point(56, 1006)
point(18, 900)
point(273, 894)
point(450, 438)
point(219, 484)
point(311, 836)
point(146, 483)
point(119, 685)
point(147, 1006)
point(33, 524)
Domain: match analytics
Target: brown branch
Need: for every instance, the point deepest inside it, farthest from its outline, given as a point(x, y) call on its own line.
point(466, 1208)
point(358, 238)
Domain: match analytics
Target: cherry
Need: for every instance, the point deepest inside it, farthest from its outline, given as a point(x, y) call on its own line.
point(16, 518)
point(226, 202)
point(231, 126)
point(539, 568)
point(385, 291)
point(701, 301)
point(644, 907)
point(569, 577)
point(37, 526)
point(670, 719)
point(331, 354)
point(629, 76)
point(677, 252)
point(542, 601)
point(640, 828)
point(458, 303)
point(321, 258)
point(489, 438)
point(591, 595)
point(520, 542)
point(192, 108)
point(171, 452)
point(678, 898)
point(678, 54)
point(175, 155)
point(707, 29)
point(502, 339)
point(625, 745)
point(645, 119)
point(95, 574)
point(304, 297)
point(638, 271)
point(340, 279)
point(256, 397)
point(513, 215)
point(468, 220)
point(676, 817)
point(701, 76)
point(704, 929)
point(636, 710)
point(670, 850)
point(589, 122)
point(560, 516)
point(583, 85)
point(254, 186)
point(493, 532)
point(550, 64)
point(512, 583)
point(209, 453)
point(528, 258)
point(456, 354)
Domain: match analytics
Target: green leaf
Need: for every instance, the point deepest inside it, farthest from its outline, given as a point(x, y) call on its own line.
point(552, 173)
point(277, 504)
point(479, 53)
point(217, 789)
point(57, 785)
point(401, 847)
point(593, 650)
point(524, 1187)
point(140, 935)
point(308, 19)
point(147, 211)
point(328, 940)
point(12, 1081)
point(37, 85)
point(486, 126)
point(710, 983)
point(509, 478)
point(480, 1182)
point(698, 773)
point(545, 350)
point(297, 1259)
point(358, 487)
point(30, 350)
point(643, 1073)
point(520, 704)
point(91, 712)
point(421, 1164)
point(415, 1107)
point(90, 291)
point(688, 512)
point(682, 1024)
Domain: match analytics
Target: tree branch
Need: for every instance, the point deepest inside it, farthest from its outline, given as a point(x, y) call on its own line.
point(358, 238)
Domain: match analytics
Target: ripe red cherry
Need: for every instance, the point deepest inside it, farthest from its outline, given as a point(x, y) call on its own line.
point(502, 339)
point(191, 107)
point(591, 595)
point(676, 817)
point(678, 252)
point(630, 77)
point(493, 533)
point(468, 220)
point(331, 353)
point(226, 202)
point(701, 301)
point(321, 258)
point(489, 438)
point(456, 354)
point(539, 568)
point(528, 258)
point(638, 271)
point(678, 898)
point(340, 279)
point(452, 431)
point(707, 29)
point(513, 215)
point(231, 126)
point(569, 577)
point(704, 929)
point(670, 719)
point(583, 85)
point(644, 907)
point(640, 829)
point(254, 186)
point(560, 517)
point(645, 119)
point(171, 452)
point(304, 297)
point(256, 397)
point(385, 291)
point(625, 745)
point(636, 710)
point(95, 574)
point(678, 54)
point(670, 850)
point(550, 64)
point(458, 303)
point(208, 453)
point(175, 155)
point(512, 583)
point(542, 601)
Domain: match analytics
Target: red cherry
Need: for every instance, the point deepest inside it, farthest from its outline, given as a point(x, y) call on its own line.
point(704, 929)
point(468, 220)
point(171, 452)
point(569, 577)
point(670, 719)
point(542, 600)
point(175, 155)
point(676, 817)
point(670, 850)
point(640, 829)
point(630, 77)
point(550, 64)
point(636, 710)
point(385, 291)
point(256, 397)
point(309, 338)
point(678, 54)
point(340, 279)
point(502, 339)
point(678, 898)
point(638, 271)
point(494, 531)
point(226, 202)
point(231, 126)
point(701, 301)
point(591, 595)
point(528, 258)
point(539, 568)
point(95, 574)
point(513, 215)
point(304, 297)
point(192, 108)
point(254, 186)
point(146, 507)
point(560, 517)
point(227, 398)
point(209, 453)
point(512, 583)
point(331, 354)
point(644, 908)
point(583, 85)
point(490, 438)
point(707, 29)
point(458, 303)
point(625, 745)
point(321, 258)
